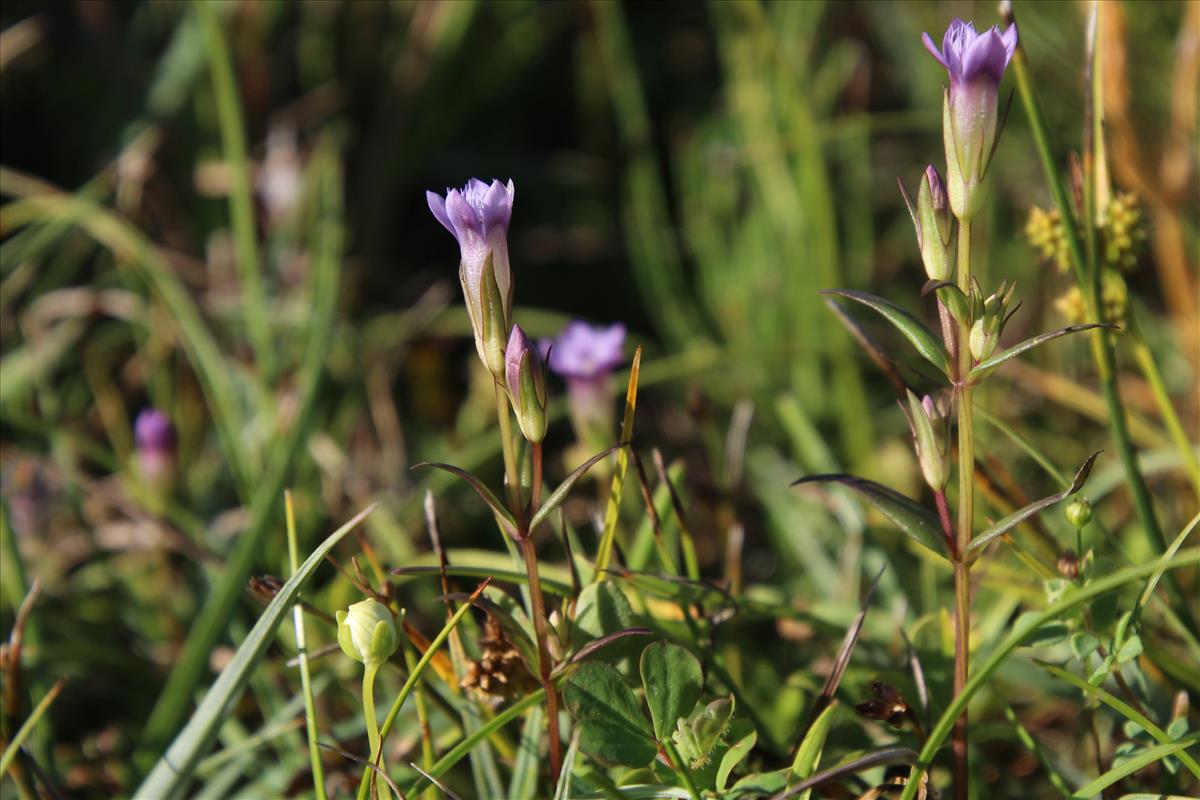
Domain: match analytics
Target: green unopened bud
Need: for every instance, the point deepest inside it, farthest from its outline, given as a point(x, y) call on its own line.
point(1079, 512)
point(989, 316)
point(925, 420)
point(525, 379)
point(367, 632)
point(932, 220)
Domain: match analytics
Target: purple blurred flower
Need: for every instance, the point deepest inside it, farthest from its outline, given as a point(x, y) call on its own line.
point(586, 356)
point(478, 217)
point(975, 63)
point(154, 436)
point(586, 351)
point(525, 378)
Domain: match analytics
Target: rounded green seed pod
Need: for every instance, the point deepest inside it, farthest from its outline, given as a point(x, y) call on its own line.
point(367, 632)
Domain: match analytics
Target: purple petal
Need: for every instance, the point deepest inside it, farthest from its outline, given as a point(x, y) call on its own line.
point(462, 215)
point(515, 353)
point(584, 351)
point(933, 50)
point(437, 204)
point(985, 56)
point(497, 206)
point(1010, 42)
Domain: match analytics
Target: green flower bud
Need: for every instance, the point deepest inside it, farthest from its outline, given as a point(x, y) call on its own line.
point(933, 222)
point(525, 379)
point(989, 317)
point(1079, 512)
point(926, 421)
point(367, 632)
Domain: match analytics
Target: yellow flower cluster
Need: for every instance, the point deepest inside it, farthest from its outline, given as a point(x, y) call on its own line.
point(1044, 230)
point(1113, 293)
point(1122, 231)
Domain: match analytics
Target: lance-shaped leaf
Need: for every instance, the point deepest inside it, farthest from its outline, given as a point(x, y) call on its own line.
point(502, 513)
point(985, 367)
point(1017, 517)
point(560, 494)
point(911, 517)
point(951, 296)
point(920, 336)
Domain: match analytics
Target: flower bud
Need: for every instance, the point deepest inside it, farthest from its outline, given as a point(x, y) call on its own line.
point(525, 379)
point(1068, 564)
point(975, 63)
point(989, 317)
point(478, 216)
point(1079, 512)
point(154, 436)
point(367, 632)
point(931, 218)
point(926, 421)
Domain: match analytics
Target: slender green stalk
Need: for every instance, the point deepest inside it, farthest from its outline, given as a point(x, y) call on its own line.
point(966, 517)
point(1150, 371)
point(512, 479)
point(27, 727)
point(410, 663)
point(681, 768)
point(1103, 349)
point(241, 205)
point(310, 712)
point(368, 702)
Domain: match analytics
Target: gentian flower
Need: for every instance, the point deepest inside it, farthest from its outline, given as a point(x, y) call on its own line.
point(478, 217)
point(975, 63)
point(154, 436)
point(931, 218)
point(525, 379)
point(586, 356)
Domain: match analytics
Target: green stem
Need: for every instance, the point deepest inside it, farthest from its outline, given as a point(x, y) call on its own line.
point(512, 480)
point(1146, 362)
point(681, 769)
point(241, 205)
point(310, 713)
point(966, 517)
point(368, 701)
point(1103, 349)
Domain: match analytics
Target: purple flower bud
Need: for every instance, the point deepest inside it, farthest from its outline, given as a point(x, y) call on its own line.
point(525, 379)
point(975, 63)
point(586, 356)
point(931, 218)
point(478, 217)
point(154, 436)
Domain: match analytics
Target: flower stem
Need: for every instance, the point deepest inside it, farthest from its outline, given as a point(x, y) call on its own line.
point(681, 768)
point(536, 489)
point(512, 481)
point(368, 701)
point(966, 516)
point(542, 630)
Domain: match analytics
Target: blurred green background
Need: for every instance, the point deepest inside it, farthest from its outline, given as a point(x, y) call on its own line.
point(697, 171)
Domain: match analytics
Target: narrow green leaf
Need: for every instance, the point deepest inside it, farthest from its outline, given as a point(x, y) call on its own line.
point(983, 368)
point(612, 511)
point(601, 609)
point(612, 726)
point(672, 678)
point(1138, 762)
point(506, 576)
point(28, 725)
point(921, 338)
point(481, 489)
point(911, 517)
point(1124, 709)
point(809, 752)
point(560, 494)
point(529, 758)
point(170, 775)
point(1017, 517)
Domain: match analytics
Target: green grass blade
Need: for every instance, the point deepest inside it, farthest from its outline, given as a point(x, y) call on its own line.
point(241, 201)
point(1124, 709)
point(28, 725)
point(171, 774)
point(1027, 739)
point(986, 667)
point(1127, 768)
point(612, 512)
point(310, 711)
point(525, 770)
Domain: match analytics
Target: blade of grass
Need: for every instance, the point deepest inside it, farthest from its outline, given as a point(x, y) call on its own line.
point(986, 667)
point(1138, 762)
point(310, 711)
point(241, 203)
point(214, 617)
point(30, 723)
point(1027, 739)
point(170, 775)
point(1121, 707)
point(525, 770)
point(612, 512)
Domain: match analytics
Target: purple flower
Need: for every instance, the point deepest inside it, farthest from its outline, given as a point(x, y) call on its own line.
point(478, 217)
point(975, 63)
point(586, 351)
point(154, 436)
point(586, 356)
point(525, 379)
